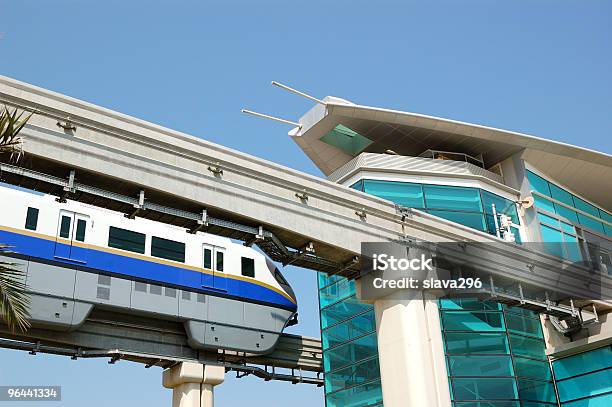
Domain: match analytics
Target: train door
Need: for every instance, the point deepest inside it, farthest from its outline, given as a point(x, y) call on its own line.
point(220, 280)
point(71, 229)
point(214, 265)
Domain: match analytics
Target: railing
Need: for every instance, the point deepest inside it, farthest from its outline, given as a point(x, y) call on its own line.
point(414, 165)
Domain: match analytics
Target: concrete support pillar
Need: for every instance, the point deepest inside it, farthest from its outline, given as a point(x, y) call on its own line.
point(410, 351)
point(192, 383)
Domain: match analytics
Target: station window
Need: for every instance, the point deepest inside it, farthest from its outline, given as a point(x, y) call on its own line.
point(168, 249)
point(248, 267)
point(31, 219)
point(126, 240)
point(219, 255)
point(464, 205)
point(569, 206)
point(80, 230)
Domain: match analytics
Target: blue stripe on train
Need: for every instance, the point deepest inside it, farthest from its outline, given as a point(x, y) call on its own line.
point(142, 269)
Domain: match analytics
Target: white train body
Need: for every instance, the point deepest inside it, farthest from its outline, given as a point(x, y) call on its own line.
point(79, 256)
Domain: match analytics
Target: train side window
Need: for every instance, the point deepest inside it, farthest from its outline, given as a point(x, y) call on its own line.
point(168, 249)
point(80, 230)
point(32, 219)
point(65, 227)
point(126, 240)
point(219, 255)
point(207, 258)
point(248, 267)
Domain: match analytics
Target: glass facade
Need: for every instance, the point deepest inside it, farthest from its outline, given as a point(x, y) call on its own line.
point(495, 355)
point(350, 355)
point(585, 380)
point(566, 232)
point(572, 202)
point(471, 207)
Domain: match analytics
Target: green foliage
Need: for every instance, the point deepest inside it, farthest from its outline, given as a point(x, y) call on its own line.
point(14, 302)
point(11, 124)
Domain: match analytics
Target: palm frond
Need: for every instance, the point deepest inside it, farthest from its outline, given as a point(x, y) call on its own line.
point(14, 302)
point(11, 124)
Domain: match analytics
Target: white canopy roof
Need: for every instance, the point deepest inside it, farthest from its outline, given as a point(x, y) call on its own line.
point(369, 129)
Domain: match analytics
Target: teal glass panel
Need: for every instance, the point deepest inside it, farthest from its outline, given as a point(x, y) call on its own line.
point(517, 235)
point(359, 373)
point(358, 396)
point(473, 220)
point(567, 228)
point(588, 385)
point(604, 400)
point(485, 389)
point(529, 347)
point(583, 363)
point(544, 203)
point(358, 185)
point(325, 279)
point(566, 213)
point(608, 218)
point(480, 366)
point(346, 140)
point(532, 368)
point(586, 207)
point(538, 183)
point(591, 223)
point(521, 311)
point(349, 353)
point(472, 321)
point(502, 205)
point(528, 326)
point(341, 311)
point(453, 198)
point(572, 248)
point(548, 220)
point(491, 224)
point(476, 343)
point(401, 193)
point(561, 194)
point(468, 304)
point(353, 328)
point(608, 230)
point(489, 404)
point(537, 391)
point(552, 239)
point(335, 292)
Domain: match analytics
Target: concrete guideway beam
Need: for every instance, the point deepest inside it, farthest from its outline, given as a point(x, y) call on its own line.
point(192, 383)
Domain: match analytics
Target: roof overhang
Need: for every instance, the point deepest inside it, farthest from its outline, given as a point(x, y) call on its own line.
point(410, 134)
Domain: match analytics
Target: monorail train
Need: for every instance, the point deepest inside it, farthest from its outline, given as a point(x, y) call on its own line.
point(79, 256)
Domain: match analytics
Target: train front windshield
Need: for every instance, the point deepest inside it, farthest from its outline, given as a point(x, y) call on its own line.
point(280, 279)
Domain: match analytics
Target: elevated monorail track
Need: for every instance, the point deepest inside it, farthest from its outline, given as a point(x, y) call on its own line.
point(156, 343)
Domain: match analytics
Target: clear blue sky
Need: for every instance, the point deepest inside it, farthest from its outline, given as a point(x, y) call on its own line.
point(539, 67)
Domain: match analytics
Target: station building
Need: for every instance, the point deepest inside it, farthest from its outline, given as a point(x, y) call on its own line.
point(482, 352)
